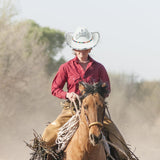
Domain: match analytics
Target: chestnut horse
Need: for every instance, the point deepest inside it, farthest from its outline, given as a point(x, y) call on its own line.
point(86, 142)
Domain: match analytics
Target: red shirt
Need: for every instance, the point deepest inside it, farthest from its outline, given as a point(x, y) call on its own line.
point(72, 73)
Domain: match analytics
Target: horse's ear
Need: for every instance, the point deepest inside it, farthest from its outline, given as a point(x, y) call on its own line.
point(105, 90)
point(82, 87)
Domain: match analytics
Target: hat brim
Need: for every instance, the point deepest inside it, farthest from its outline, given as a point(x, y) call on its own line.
point(82, 46)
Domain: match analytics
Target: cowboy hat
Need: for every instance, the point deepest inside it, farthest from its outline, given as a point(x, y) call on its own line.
point(82, 39)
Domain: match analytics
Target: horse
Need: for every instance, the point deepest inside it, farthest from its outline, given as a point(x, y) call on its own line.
point(86, 142)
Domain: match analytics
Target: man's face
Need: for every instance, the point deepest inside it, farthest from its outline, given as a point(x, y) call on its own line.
point(82, 53)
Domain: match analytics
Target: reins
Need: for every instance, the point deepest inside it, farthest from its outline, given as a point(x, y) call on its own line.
point(74, 102)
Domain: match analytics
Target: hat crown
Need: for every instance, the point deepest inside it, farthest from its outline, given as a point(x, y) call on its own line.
point(82, 35)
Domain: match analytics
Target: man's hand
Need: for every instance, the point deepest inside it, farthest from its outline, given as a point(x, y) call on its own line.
point(71, 96)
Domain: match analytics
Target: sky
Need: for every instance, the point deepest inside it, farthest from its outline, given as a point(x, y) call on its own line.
point(129, 29)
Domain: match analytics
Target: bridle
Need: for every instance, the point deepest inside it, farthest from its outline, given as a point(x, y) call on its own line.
point(96, 123)
point(87, 119)
point(93, 123)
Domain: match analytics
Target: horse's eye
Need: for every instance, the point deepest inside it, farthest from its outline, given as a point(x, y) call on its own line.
point(85, 107)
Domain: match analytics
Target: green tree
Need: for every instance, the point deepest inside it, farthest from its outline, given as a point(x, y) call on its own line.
point(27, 51)
point(54, 41)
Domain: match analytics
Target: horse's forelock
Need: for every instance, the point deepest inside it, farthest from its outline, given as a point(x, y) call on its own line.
point(95, 88)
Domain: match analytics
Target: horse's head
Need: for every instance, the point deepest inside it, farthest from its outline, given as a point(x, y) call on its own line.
point(93, 108)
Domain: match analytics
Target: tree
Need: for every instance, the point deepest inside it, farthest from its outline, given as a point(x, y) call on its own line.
point(27, 51)
point(54, 41)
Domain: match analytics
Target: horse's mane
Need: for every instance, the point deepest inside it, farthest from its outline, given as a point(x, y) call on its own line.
point(98, 87)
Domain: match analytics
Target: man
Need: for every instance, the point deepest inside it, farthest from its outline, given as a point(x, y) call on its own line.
point(81, 68)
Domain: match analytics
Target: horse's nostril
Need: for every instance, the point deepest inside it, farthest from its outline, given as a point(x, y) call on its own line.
point(92, 136)
point(95, 139)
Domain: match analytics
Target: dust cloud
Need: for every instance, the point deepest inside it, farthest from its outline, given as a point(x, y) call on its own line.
point(136, 112)
point(24, 111)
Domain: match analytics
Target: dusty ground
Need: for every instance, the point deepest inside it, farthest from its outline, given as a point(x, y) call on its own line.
point(34, 113)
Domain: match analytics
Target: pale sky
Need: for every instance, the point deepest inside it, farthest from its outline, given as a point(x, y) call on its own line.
point(129, 29)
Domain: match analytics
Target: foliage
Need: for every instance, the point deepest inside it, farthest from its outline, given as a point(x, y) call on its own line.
point(54, 41)
point(53, 65)
point(27, 51)
point(53, 38)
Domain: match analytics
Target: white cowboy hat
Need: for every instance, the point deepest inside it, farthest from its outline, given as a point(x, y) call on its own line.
point(82, 39)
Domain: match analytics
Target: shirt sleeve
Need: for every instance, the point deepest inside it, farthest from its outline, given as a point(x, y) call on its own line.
point(59, 82)
point(105, 78)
